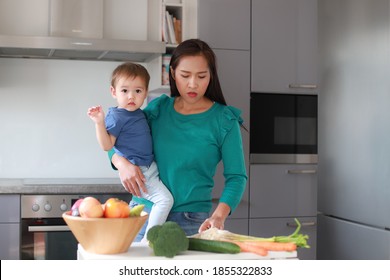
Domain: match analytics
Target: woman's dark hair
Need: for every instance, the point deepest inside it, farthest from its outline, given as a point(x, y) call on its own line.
point(193, 47)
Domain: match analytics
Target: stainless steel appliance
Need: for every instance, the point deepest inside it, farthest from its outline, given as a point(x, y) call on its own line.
point(44, 233)
point(283, 128)
point(354, 129)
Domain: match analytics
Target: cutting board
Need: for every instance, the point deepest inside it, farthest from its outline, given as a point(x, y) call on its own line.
point(143, 251)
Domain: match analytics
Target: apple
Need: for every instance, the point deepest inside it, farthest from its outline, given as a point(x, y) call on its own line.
point(90, 207)
point(75, 207)
point(116, 208)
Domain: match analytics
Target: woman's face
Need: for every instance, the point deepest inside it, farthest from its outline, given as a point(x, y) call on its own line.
point(192, 77)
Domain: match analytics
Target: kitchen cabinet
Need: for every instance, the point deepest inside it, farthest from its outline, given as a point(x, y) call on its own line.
point(24, 17)
point(239, 226)
point(81, 18)
point(278, 194)
point(130, 19)
point(284, 46)
point(283, 190)
point(225, 24)
point(82, 29)
point(233, 71)
point(103, 19)
point(10, 227)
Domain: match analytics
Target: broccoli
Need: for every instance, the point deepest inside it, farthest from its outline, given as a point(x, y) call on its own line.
point(167, 239)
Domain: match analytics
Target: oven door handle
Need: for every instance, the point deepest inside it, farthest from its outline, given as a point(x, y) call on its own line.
point(47, 228)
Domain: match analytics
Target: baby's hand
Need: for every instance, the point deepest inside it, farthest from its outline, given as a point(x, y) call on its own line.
point(96, 114)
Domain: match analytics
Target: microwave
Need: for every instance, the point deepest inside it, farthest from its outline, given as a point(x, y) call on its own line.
point(283, 128)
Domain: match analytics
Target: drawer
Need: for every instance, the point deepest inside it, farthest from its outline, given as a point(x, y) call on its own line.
point(279, 190)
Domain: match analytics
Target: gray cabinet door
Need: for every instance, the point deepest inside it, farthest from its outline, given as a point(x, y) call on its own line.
point(225, 24)
point(9, 241)
point(11, 204)
point(286, 226)
point(239, 226)
point(233, 70)
point(279, 190)
point(10, 227)
point(284, 46)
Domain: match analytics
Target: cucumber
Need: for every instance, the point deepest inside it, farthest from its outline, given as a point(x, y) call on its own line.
point(214, 246)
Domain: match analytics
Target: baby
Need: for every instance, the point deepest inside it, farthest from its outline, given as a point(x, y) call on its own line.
point(126, 129)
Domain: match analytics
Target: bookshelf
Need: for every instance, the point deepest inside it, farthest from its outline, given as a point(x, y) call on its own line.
point(172, 31)
point(184, 13)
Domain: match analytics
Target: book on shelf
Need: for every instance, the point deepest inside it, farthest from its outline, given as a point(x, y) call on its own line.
point(164, 31)
point(171, 29)
point(177, 27)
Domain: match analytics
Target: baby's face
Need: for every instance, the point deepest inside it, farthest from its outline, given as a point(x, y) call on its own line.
point(130, 93)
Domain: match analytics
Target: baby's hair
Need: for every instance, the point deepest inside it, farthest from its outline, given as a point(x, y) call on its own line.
point(129, 69)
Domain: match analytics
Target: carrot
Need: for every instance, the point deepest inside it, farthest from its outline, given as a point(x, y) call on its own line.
point(262, 247)
point(249, 247)
point(273, 246)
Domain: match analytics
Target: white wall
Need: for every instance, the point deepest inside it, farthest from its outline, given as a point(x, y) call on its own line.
point(45, 131)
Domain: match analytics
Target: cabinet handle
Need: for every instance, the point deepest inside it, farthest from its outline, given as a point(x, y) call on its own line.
point(47, 228)
point(302, 171)
point(307, 224)
point(302, 86)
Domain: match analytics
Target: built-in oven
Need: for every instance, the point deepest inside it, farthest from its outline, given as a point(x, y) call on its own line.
point(283, 128)
point(44, 233)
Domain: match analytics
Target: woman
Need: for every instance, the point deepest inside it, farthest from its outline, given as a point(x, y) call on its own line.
point(192, 132)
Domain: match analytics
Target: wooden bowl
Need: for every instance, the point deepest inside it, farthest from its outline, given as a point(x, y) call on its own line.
point(105, 235)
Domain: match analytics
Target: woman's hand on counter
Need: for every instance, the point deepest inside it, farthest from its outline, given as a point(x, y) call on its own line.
point(217, 219)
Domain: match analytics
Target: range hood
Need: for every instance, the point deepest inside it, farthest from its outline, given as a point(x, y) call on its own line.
point(79, 48)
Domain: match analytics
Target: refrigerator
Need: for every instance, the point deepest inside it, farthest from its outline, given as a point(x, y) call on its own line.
point(354, 130)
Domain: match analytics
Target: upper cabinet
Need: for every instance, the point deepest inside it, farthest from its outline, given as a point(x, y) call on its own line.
point(114, 30)
point(24, 17)
point(284, 46)
point(225, 24)
point(105, 19)
point(130, 19)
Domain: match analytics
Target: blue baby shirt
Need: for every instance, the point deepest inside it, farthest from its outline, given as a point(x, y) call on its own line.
point(132, 132)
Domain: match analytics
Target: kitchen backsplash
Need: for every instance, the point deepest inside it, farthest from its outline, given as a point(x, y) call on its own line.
point(45, 131)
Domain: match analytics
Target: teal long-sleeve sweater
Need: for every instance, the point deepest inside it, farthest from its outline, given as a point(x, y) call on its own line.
point(188, 148)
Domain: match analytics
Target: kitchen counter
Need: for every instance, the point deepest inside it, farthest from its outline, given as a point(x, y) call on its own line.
point(61, 186)
point(141, 251)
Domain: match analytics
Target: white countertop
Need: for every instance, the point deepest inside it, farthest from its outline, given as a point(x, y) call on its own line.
point(143, 251)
